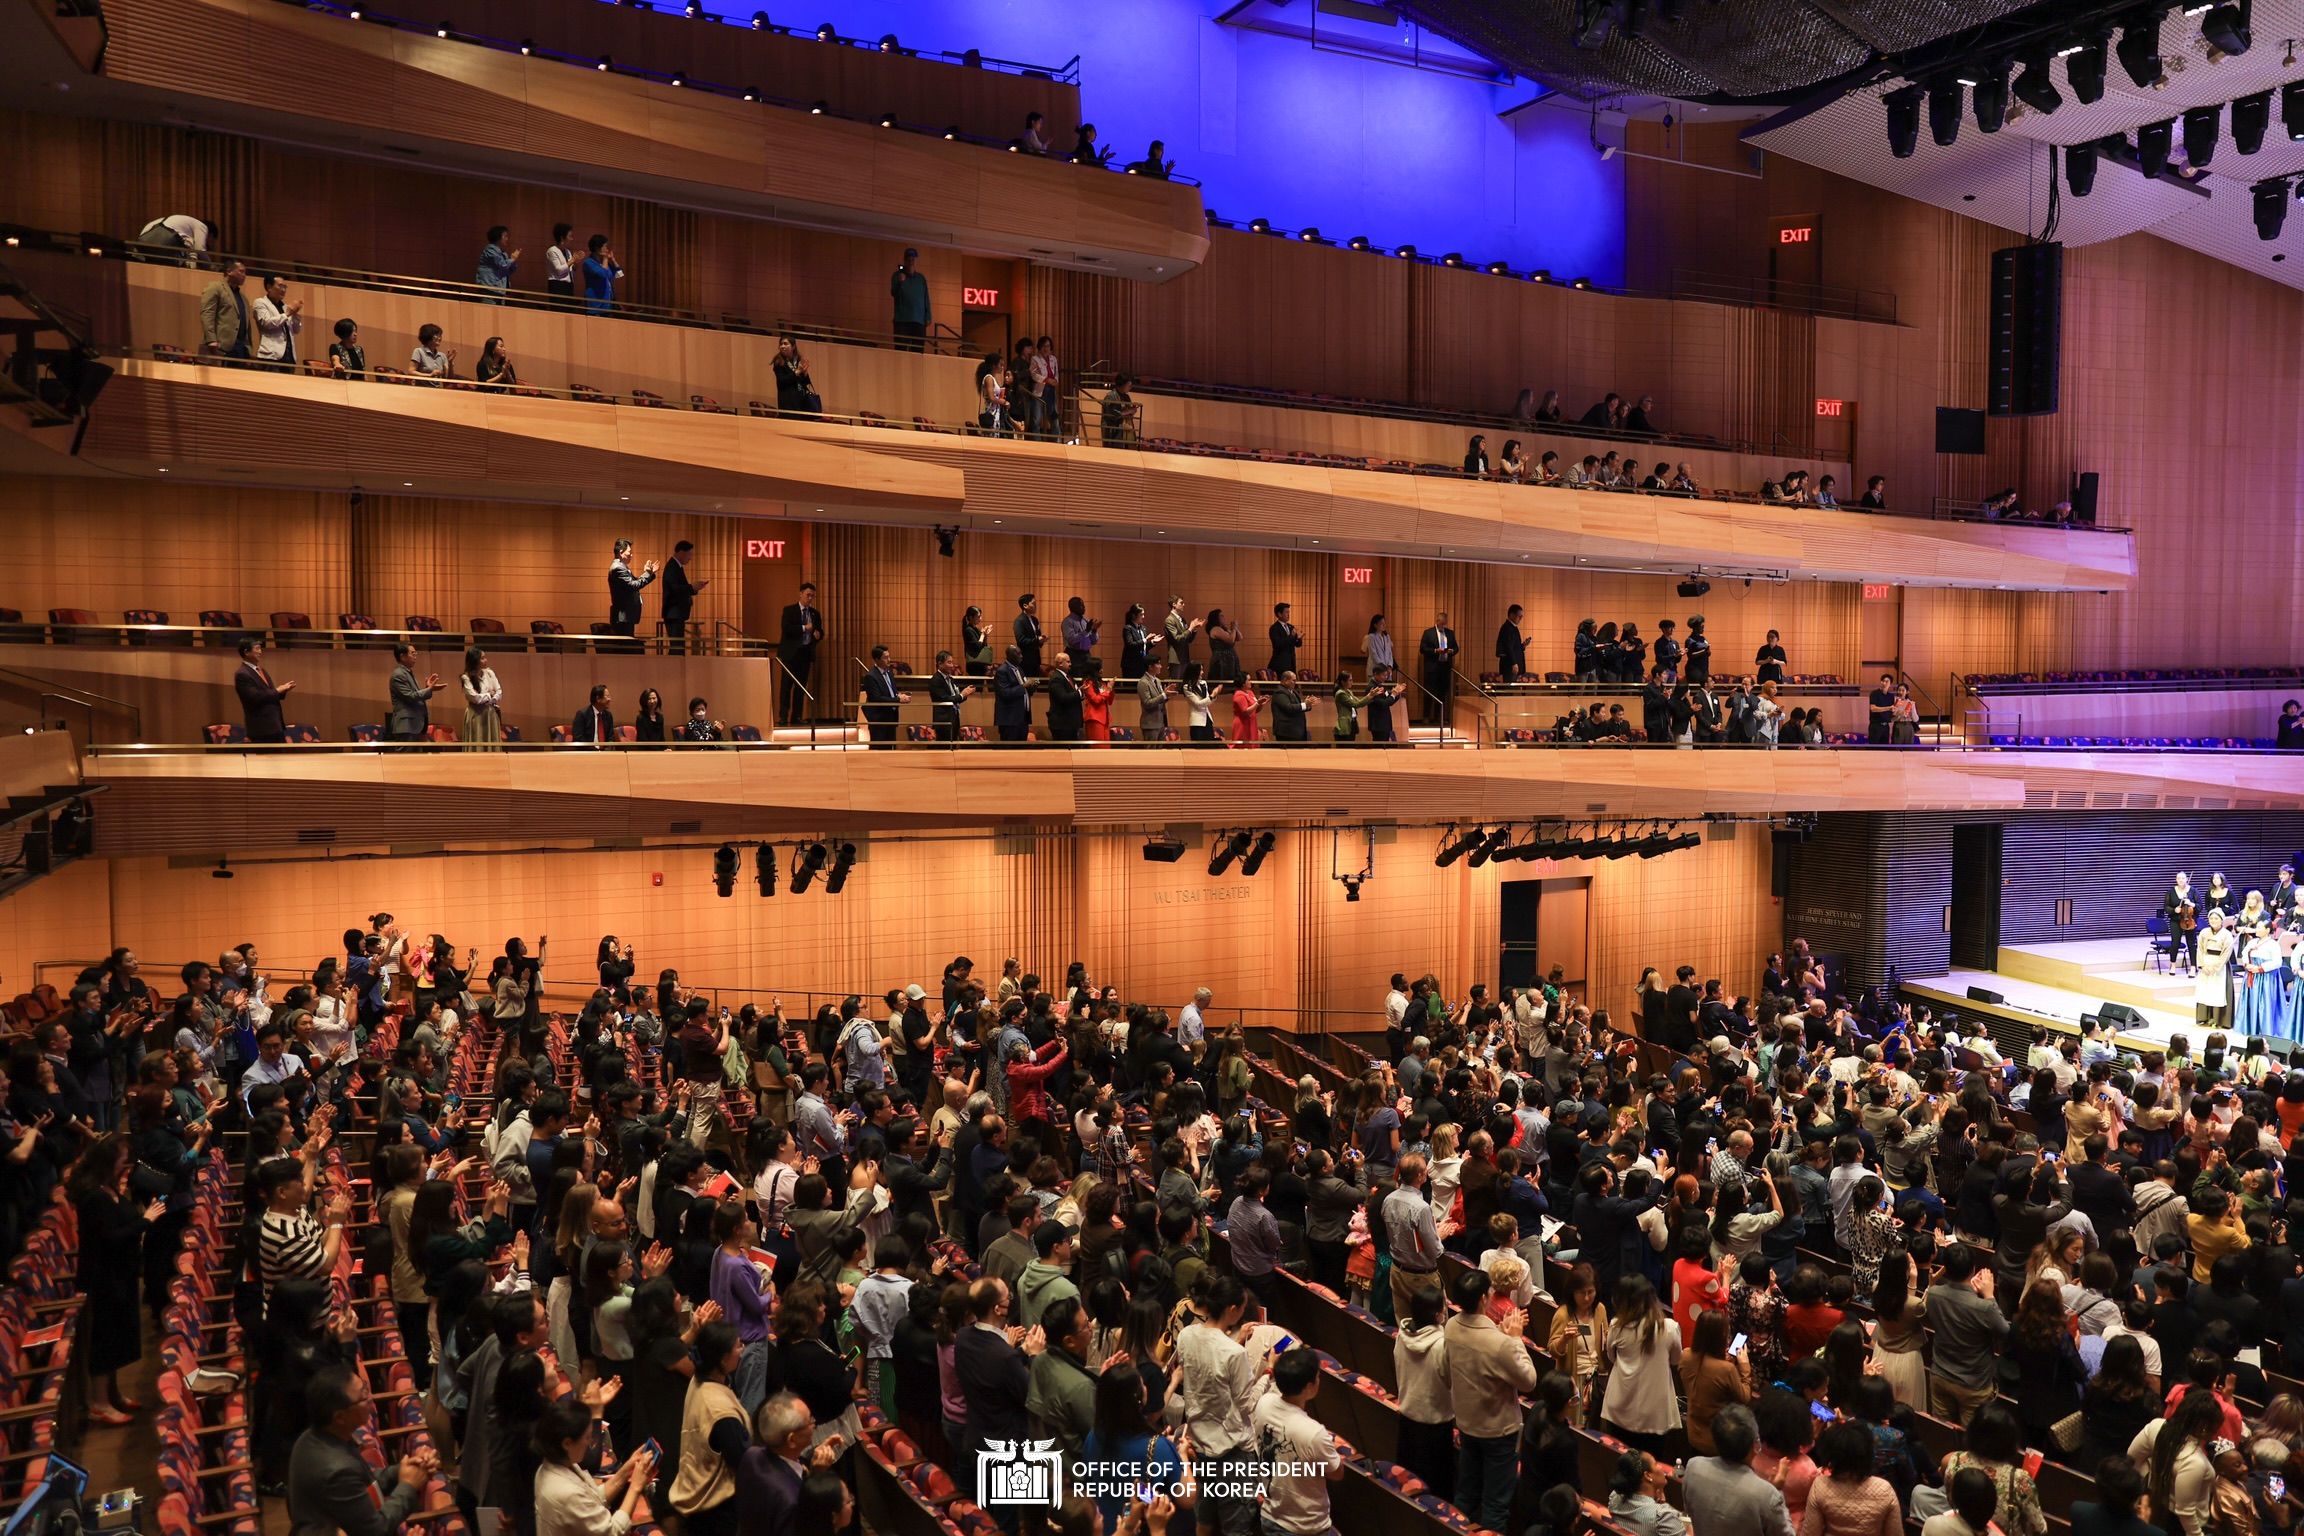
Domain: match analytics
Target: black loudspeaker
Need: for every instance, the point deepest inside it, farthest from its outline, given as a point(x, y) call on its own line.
point(1959, 431)
point(2027, 329)
point(2119, 1015)
point(2083, 497)
point(1979, 995)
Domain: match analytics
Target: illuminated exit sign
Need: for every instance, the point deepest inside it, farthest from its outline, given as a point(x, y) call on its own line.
point(1798, 234)
point(1831, 407)
point(763, 549)
point(1878, 591)
point(1359, 575)
point(980, 298)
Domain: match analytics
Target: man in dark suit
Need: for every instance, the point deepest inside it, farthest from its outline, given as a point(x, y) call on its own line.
point(945, 694)
point(796, 642)
point(331, 1487)
point(881, 696)
point(260, 697)
point(594, 723)
point(993, 1364)
point(768, 1478)
point(1011, 698)
point(1066, 717)
point(1438, 648)
point(1030, 638)
point(624, 590)
point(1288, 711)
point(680, 596)
point(1511, 646)
point(1383, 693)
point(411, 715)
point(1286, 638)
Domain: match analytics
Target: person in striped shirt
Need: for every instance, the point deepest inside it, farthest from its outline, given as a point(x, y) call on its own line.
point(290, 1243)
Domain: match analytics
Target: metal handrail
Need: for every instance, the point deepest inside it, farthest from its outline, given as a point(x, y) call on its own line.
point(1827, 299)
point(87, 699)
point(66, 634)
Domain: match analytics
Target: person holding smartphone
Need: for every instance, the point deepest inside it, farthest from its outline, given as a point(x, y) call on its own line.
point(1715, 1371)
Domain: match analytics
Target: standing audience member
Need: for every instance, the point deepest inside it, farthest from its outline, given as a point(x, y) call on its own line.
point(226, 330)
point(908, 294)
point(260, 697)
point(602, 272)
point(560, 265)
point(497, 264)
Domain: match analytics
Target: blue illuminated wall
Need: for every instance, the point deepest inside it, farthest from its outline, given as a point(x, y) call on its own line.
point(1273, 127)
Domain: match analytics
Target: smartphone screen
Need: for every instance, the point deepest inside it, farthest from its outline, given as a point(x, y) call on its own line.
point(1736, 1345)
point(1822, 1413)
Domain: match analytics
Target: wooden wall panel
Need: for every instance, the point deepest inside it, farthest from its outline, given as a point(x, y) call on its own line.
point(1156, 931)
point(63, 916)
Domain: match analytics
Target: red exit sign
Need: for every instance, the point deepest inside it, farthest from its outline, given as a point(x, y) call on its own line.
point(1359, 575)
point(980, 298)
point(1831, 407)
point(1799, 234)
point(1878, 591)
point(763, 549)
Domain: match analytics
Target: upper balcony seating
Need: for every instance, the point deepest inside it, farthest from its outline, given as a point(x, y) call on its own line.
point(2145, 678)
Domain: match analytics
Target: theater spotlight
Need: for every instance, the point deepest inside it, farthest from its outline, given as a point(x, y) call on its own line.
point(1228, 850)
point(2153, 141)
point(807, 859)
point(1540, 275)
point(2251, 115)
point(2226, 29)
point(2139, 48)
point(442, 30)
point(2080, 168)
point(1259, 226)
point(887, 119)
point(764, 868)
point(751, 93)
point(1944, 103)
point(1358, 243)
point(2084, 68)
point(2271, 209)
point(827, 33)
point(225, 871)
point(679, 77)
point(1259, 853)
point(353, 13)
point(952, 133)
point(527, 47)
point(2292, 109)
point(1452, 259)
point(1490, 846)
point(1617, 847)
point(946, 538)
point(1310, 234)
point(972, 59)
point(1456, 846)
point(818, 109)
point(2036, 87)
point(1584, 283)
point(1406, 253)
point(1654, 846)
point(1904, 120)
point(606, 64)
point(842, 862)
point(1990, 94)
point(1352, 884)
point(1163, 850)
point(889, 44)
point(759, 21)
point(2201, 125)
point(694, 10)
point(724, 869)
point(1498, 268)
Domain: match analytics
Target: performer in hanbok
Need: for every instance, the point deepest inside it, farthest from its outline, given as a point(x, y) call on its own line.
point(2292, 1015)
point(2256, 980)
point(2212, 986)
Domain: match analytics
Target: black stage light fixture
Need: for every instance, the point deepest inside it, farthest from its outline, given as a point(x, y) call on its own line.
point(751, 93)
point(2080, 168)
point(2292, 108)
point(1163, 850)
point(724, 869)
point(1904, 120)
point(2036, 87)
point(695, 10)
point(2251, 115)
point(1452, 259)
point(527, 47)
point(842, 862)
point(1654, 846)
point(951, 133)
point(818, 109)
point(1352, 884)
point(1694, 586)
point(826, 32)
point(1228, 850)
point(1616, 847)
point(1944, 103)
point(764, 868)
point(946, 539)
point(889, 44)
point(1262, 850)
point(1990, 94)
point(2271, 209)
point(1457, 846)
point(679, 77)
point(1406, 253)
point(442, 30)
point(1358, 243)
point(807, 859)
point(2153, 141)
point(222, 871)
point(2139, 48)
point(759, 21)
point(1540, 275)
point(1584, 283)
point(1491, 846)
point(2084, 69)
point(1688, 840)
point(2226, 29)
point(1499, 269)
point(606, 64)
point(2201, 127)
point(1310, 235)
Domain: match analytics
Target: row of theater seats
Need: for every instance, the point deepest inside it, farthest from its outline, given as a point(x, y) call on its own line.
point(1531, 736)
point(224, 627)
point(2233, 676)
point(39, 1336)
point(1532, 682)
point(2251, 744)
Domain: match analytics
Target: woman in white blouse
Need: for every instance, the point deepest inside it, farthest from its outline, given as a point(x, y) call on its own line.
point(560, 264)
point(1379, 646)
point(483, 703)
point(1197, 693)
point(1642, 1355)
point(571, 1501)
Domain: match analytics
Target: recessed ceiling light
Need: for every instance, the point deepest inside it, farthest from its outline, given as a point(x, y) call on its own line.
point(409, 484)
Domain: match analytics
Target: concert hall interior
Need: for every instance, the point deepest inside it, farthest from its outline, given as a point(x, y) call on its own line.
point(1689, 803)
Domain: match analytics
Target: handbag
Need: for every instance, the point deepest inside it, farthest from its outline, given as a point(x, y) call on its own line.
point(2066, 1431)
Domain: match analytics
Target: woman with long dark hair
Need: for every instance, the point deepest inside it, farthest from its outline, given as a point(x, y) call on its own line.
point(1127, 1432)
point(113, 1225)
point(1897, 1335)
point(1642, 1358)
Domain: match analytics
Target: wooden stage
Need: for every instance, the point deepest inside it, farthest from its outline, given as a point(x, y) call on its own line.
point(2058, 984)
